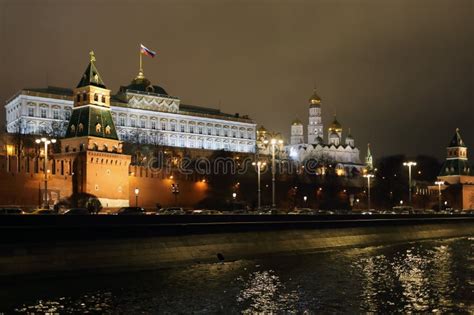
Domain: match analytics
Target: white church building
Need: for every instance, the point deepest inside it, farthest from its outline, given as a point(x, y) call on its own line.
point(336, 151)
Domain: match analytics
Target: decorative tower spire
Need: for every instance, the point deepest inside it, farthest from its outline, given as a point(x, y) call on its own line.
point(456, 160)
point(91, 116)
point(91, 76)
point(369, 163)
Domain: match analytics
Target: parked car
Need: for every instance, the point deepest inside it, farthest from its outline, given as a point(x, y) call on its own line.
point(44, 212)
point(171, 211)
point(131, 211)
point(302, 211)
point(10, 211)
point(77, 211)
point(403, 209)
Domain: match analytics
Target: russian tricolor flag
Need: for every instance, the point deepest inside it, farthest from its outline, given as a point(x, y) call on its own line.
point(147, 51)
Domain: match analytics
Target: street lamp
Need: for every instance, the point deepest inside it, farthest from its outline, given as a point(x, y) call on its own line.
point(409, 164)
point(273, 143)
point(137, 191)
point(46, 142)
point(175, 192)
point(439, 183)
point(368, 176)
point(259, 168)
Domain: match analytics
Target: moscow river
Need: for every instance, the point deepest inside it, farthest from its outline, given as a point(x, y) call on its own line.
point(425, 276)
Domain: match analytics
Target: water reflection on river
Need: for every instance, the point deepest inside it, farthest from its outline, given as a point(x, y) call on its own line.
point(430, 276)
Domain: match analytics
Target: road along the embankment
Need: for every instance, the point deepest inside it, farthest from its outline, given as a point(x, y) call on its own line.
point(52, 245)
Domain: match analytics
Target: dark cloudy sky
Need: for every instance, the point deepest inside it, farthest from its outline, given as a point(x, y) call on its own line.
point(398, 73)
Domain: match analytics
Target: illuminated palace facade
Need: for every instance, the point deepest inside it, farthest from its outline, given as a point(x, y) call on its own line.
point(336, 150)
point(142, 113)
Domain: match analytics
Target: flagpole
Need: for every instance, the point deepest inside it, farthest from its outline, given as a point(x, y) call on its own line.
point(141, 68)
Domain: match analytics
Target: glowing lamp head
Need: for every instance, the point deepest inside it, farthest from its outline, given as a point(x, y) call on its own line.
point(137, 191)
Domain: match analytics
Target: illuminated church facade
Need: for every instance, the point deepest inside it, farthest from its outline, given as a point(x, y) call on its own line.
point(336, 150)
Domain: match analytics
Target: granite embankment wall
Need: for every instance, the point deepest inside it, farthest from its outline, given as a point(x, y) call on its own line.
point(43, 246)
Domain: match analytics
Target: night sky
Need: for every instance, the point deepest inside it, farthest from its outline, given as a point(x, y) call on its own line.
point(399, 73)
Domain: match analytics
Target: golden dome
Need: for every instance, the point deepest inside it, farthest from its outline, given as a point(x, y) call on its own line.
point(336, 126)
point(296, 122)
point(315, 99)
point(261, 129)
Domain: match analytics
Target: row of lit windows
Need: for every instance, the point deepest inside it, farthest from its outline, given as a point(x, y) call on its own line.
point(43, 113)
point(462, 153)
point(84, 98)
point(173, 126)
point(190, 142)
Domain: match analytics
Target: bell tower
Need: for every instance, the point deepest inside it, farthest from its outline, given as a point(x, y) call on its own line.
point(91, 142)
point(315, 124)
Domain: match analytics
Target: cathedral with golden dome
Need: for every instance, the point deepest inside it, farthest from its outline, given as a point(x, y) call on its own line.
point(338, 149)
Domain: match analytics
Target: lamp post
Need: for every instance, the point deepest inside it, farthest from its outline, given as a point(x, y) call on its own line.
point(439, 183)
point(137, 191)
point(409, 164)
point(368, 176)
point(46, 142)
point(259, 168)
point(175, 192)
point(273, 143)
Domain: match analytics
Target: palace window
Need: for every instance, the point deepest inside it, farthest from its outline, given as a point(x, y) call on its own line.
point(96, 97)
point(191, 128)
point(133, 122)
point(142, 123)
point(209, 131)
point(43, 112)
point(153, 124)
point(173, 126)
point(103, 99)
point(67, 114)
point(56, 113)
point(182, 128)
point(163, 125)
point(121, 121)
point(31, 111)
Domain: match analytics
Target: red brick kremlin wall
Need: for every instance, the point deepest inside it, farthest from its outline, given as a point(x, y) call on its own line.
point(22, 178)
point(156, 187)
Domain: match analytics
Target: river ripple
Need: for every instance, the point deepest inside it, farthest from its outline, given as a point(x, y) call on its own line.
point(430, 276)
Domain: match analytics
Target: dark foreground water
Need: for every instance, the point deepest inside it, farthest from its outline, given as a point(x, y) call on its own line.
point(429, 276)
